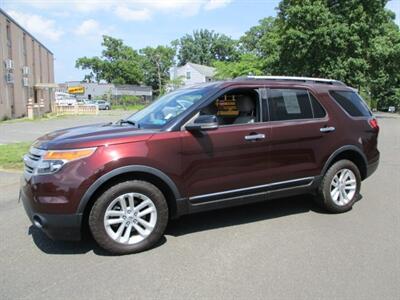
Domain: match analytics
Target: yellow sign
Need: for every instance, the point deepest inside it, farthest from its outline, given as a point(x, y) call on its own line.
point(227, 106)
point(76, 90)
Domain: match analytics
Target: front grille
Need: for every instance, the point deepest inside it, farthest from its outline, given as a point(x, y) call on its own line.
point(34, 156)
point(31, 161)
point(28, 169)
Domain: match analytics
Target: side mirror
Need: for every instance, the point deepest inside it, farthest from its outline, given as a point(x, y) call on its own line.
point(204, 122)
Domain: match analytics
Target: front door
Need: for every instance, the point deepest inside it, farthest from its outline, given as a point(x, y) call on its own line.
point(232, 157)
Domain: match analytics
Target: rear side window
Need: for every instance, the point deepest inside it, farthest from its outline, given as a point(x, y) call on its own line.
point(289, 104)
point(352, 103)
point(319, 111)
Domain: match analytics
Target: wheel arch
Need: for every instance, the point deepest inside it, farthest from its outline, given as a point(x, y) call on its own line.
point(351, 153)
point(152, 175)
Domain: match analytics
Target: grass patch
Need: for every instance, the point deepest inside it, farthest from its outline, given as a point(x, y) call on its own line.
point(11, 155)
point(129, 107)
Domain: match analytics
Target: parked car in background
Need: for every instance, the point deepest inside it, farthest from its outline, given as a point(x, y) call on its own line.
point(206, 147)
point(88, 102)
point(66, 101)
point(392, 109)
point(103, 104)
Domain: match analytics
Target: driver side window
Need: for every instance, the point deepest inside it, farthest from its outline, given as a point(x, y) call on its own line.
point(241, 106)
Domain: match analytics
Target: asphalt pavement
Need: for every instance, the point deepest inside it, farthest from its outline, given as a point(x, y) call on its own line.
point(27, 131)
point(282, 249)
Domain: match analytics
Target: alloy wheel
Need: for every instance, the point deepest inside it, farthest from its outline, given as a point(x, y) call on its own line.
point(343, 187)
point(130, 218)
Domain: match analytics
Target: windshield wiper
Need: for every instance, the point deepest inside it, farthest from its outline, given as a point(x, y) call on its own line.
point(122, 121)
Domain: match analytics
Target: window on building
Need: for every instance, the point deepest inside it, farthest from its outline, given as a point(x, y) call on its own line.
point(40, 64)
point(8, 35)
point(48, 67)
point(188, 75)
point(24, 50)
point(8, 31)
point(33, 61)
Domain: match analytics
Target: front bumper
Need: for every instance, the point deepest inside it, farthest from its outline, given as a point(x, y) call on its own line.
point(56, 226)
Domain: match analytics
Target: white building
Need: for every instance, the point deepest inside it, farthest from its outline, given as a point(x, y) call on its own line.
point(95, 90)
point(192, 73)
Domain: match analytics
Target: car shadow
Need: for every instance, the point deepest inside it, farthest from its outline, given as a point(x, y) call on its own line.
point(87, 244)
point(191, 223)
point(244, 214)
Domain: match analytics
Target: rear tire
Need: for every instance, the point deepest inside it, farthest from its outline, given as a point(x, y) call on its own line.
point(340, 187)
point(129, 217)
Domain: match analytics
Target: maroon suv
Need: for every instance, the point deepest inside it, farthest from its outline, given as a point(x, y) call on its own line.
point(204, 147)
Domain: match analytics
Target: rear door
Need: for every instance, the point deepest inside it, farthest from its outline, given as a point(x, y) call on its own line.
point(300, 132)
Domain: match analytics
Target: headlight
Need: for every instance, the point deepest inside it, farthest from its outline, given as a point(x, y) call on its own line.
point(54, 160)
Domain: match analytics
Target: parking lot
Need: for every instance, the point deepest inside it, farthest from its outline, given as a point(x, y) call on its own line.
point(282, 249)
point(27, 131)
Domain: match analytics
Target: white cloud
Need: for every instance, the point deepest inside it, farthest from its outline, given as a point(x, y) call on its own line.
point(214, 4)
point(128, 14)
point(88, 27)
point(395, 7)
point(131, 10)
point(91, 28)
point(91, 5)
point(38, 25)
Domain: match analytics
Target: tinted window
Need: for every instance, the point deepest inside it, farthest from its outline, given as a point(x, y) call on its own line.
point(319, 111)
point(352, 103)
point(289, 104)
point(239, 106)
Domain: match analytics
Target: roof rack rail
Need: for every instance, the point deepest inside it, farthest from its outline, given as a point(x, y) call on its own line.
point(293, 78)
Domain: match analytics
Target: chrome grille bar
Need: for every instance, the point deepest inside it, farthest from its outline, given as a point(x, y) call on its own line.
point(32, 160)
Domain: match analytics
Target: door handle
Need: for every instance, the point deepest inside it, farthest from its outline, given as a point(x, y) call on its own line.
point(254, 137)
point(327, 129)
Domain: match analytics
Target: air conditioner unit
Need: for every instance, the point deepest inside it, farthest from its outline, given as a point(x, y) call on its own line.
point(25, 70)
point(10, 78)
point(25, 81)
point(9, 64)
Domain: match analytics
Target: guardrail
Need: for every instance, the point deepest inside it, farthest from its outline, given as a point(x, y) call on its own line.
point(76, 109)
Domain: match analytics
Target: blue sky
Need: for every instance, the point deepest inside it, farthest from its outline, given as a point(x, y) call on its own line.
point(73, 28)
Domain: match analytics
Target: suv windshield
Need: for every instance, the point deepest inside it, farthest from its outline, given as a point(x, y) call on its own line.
point(167, 108)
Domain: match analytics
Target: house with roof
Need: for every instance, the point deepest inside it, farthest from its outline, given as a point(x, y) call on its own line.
point(191, 73)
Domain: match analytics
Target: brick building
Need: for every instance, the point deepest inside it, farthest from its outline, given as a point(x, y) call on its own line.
point(26, 70)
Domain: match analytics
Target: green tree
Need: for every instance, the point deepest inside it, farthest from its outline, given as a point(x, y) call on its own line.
point(204, 47)
point(383, 73)
point(355, 41)
point(251, 41)
point(156, 63)
point(248, 64)
point(118, 64)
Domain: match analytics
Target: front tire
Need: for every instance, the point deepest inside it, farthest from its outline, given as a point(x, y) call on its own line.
point(340, 187)
point(129, 217)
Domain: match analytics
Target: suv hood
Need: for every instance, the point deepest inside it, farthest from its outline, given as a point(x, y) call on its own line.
point(92, 136)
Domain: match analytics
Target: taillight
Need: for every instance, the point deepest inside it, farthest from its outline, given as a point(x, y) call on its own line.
point(373, 123)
